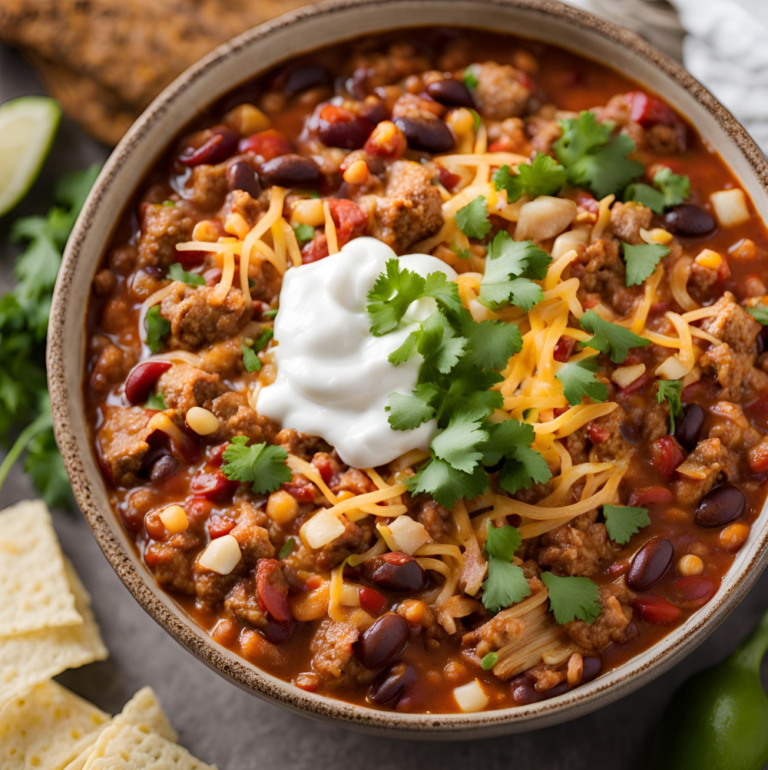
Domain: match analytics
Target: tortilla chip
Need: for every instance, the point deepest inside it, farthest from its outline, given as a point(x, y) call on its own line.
point(33, 582)
point(45, 727)
point(29, 659)
point(121, 746)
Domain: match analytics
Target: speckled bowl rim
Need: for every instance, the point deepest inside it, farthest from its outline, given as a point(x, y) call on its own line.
point(602, 691)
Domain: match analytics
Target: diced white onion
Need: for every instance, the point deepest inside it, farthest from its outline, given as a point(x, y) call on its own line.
point(321, 529)
point(572, 239)
point(405, 535)
point(544, 218)
point(626, 375)
point(730, 207)
point(349, 595)
point(471, 697)
point(221, 555)
point(672, 369)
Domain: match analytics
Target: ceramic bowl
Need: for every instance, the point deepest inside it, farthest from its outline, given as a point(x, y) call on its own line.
point(246, 56)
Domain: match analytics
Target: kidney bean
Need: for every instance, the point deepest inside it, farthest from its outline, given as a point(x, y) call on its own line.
point(215, 486)
point(721, 506)
point(631, 632)
point(399, 572)
point(273, 590)
point(689, 220)
point(382, 642)
point(649, 495)
point(374, 111)
point(371, 600)
point(524, 693)
point(302, 77)
point(656, 610)
point(452, 93)
point(164, 466)
point(558, 689)
point(388, 687)
point(279, 632)
point(142, 379)
point(649, 111)
point(291, 171)
point(339, 127)
point(267, 144)
point(666, 455)
point(694, 591)
point(591, 669)
point(190, 259)
point(428, 134)
point(221, 145)
point(241, 176)
point(688, 430)
point(650, 564)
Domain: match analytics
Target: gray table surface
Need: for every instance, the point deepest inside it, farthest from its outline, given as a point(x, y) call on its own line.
point(224, 725)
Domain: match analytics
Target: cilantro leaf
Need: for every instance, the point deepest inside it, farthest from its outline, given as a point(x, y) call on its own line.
point(177, 273)
point(509, 266)
point(579, 380)
point(648, 196)
point(473, 219)
point(672, 391)
point(522, 469)
point(157, 327)
point(476, 120)
point(250, 359)
point(470, 78)
point(156, 401)
point(407, 412)
point(446, 484)
point(261, 465)
point(759, 313)
point(458, 443)
point(572, 598)
point(674, 188)
point(622, 522)
point(43, 464)
point(641, 260)
point(304, 233)
point(610, 337)
point(580, 136)
point(503, 437)
point(490, 344)
point(545, 176)
point(269, 314)
point(406, 350)
point(287, 548)
point(263, 339)
point(443, 291)
point(608, 169)
point(506, 583)
point(467, 392)
point(391, 296)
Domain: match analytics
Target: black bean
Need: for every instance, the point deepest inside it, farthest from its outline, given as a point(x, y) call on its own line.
point(241, 176)
point(428, 134)
point(382, 642)
point(163, 467)
point(302, 77)
point(399, 572)
point(650, 564)
point(221, 145)
point(721, 506)
point(452, 93)
point(388, 687)
point(689, 220)
point(374, 111)
point(688, 430)
point(291, 171)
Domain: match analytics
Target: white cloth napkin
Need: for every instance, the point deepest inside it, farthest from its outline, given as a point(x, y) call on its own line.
point(725, 46)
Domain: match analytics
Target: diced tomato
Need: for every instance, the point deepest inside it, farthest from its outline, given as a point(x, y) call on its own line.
point(218, 526)
point(694, 591)
point(657, 308)
point(371, 600)
point(301, 488)
point(448, 179)
point(322, 462)
point(267, 144)
point(637, 384)
point(563, 349)
point(655, 609)
point(651, 496)
point(213, 485)
point(597, 433)
point(273, 590)
point(666, 455)
point(313, 582)
point(386, 141)
point(590, 301)
point(649, 111)
point(351, 222)
point(758, 458)
point(198, 509)
point(587, 202)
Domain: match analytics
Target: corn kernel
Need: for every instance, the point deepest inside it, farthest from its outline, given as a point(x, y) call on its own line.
point(202, 421)
point(345, 494)
point(709, 258)
point(657, 235)
point(282, 507)
point(308, 211)
point(175, 520)
point(690, 565)
point(734, 535)
point(236, 225)
point(221, 555)
point(247, 119)
point(462, 121)
point(357, 173)
point(207, 230)
point(743, 249)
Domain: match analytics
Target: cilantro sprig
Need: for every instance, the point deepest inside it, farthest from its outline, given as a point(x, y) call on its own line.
point(609, 337)
point(642, 260)
point(759, 313)
point(24, 315)
point(545, 176)
point(176, 272)
point(473, 219)
point(669, 189)
point(262, 465)
point(624, 521)
point(578, 378)
point(506, 583)
point(671, 391)
point(572, 598)
point(157, 327)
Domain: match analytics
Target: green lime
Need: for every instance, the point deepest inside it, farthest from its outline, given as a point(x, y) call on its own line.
point(27, 127)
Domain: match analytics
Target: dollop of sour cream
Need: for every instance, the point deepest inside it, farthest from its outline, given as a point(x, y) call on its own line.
point(333, 376)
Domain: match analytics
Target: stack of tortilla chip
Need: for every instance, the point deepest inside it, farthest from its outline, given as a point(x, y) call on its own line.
point(46, 627)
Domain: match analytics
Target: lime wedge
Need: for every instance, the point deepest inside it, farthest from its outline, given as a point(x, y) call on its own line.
point(27, 127)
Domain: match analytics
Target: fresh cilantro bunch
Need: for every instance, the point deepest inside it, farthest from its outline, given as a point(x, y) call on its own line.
point(462, 359)
point(24, 315)
point(668, 190)
point(545, 176)
point(593, 159)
